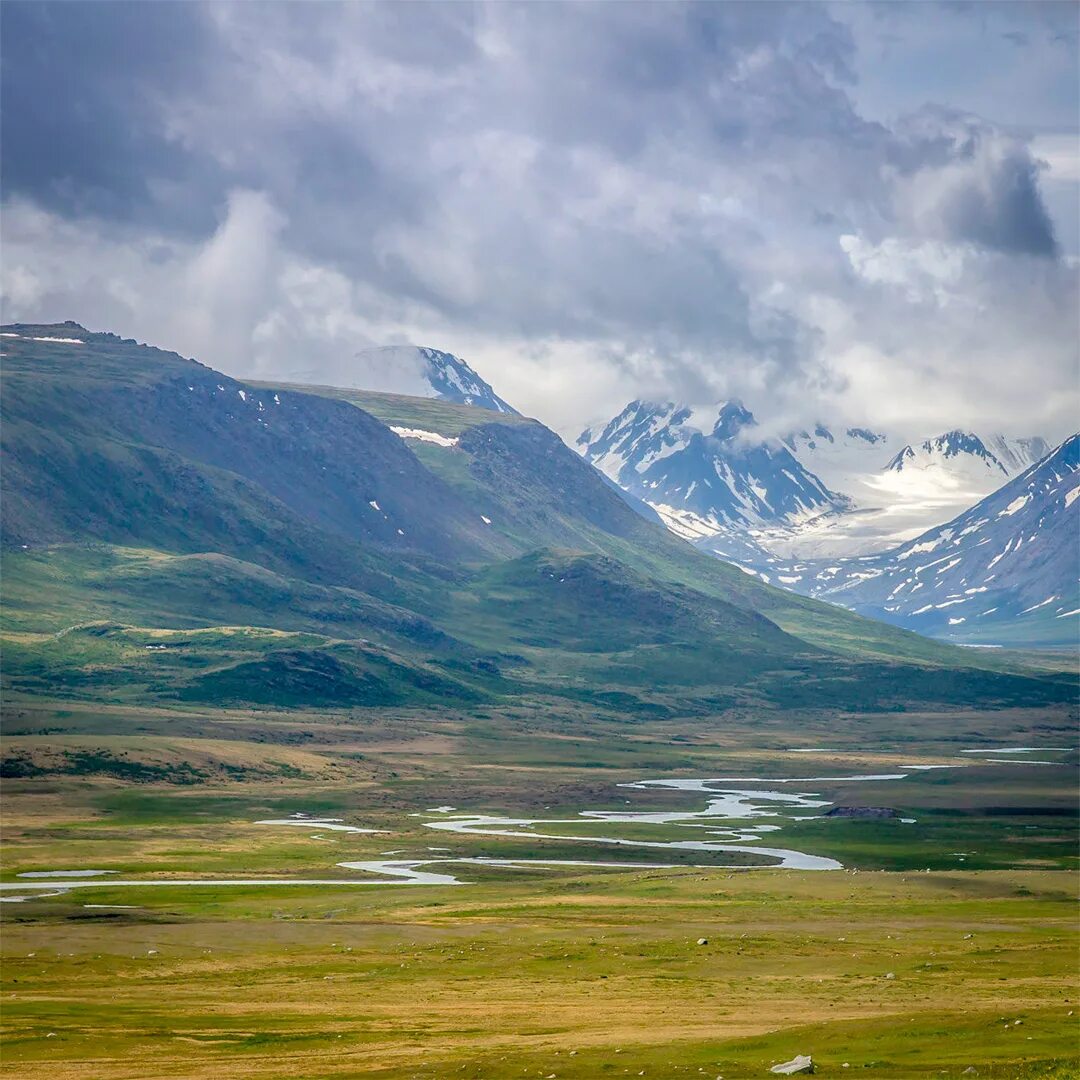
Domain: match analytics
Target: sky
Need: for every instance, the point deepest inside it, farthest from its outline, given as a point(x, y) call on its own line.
point(851, 213)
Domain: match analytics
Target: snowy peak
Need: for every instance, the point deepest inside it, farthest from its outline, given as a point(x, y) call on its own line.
point(810, 440)
point(453, 380)
point(998, 454)
point(425, 372)
point(643, 432)
point(822, 440)
point(859, 434)
point(898, 494)
point(841, 456)
point(1003, 571)
point(962, 445)
point(733, 418)
point(705, 476)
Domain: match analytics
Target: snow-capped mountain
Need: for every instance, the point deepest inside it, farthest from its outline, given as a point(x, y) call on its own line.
point(960, 452)
point(1005, 570)
point(423, 372)
point(703, 478)
point(1017, 454)
point(895, 494)
point(840, 457)
point(825, 492)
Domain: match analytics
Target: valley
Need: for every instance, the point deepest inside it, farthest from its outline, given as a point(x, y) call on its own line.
point(496, 879)
point(539, 541)
point(341, 728)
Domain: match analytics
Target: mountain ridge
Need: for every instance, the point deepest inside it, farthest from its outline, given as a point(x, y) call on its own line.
point(1012, 556)
point(722, 476)
point(844, 493)
point(196, 487)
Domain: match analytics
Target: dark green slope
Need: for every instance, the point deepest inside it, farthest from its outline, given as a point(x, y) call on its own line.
point(49, 589)
point(593, 603)
point(514, 466)
point(142, 490)
point(538, 493)
point(162, 450)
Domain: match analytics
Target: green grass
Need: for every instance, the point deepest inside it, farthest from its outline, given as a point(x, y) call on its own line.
point(584, 628)
point(529, 669)
point(505, 976)
point(229, 508)
point(574, 973)
point(426, 414)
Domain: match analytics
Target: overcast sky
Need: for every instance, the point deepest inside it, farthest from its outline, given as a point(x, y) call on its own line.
point(859, 213)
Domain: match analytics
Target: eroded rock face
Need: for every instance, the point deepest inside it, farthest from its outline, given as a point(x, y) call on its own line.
point(862, 812)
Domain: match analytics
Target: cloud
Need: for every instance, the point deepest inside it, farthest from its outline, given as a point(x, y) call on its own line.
point(85, 88)
point(938, 323)
point(588, 202)
point(971, 183)
point(1060, 155)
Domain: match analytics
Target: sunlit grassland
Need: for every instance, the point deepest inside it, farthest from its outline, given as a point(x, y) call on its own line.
point(576, 973)
point(533, 971)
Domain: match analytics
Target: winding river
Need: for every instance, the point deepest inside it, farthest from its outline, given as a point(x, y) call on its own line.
point(725, 804)
point(746, 806)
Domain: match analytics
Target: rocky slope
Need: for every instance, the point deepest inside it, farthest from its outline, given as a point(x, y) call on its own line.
point(1004, 571)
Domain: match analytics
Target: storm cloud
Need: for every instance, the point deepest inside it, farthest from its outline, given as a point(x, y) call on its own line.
point(590, 202)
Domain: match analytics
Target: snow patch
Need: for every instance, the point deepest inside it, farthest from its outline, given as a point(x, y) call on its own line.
point(1042, 603)
point(1015, 506)
point(424, 436)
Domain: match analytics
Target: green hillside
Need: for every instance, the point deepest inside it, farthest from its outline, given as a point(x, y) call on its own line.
point(146, 493)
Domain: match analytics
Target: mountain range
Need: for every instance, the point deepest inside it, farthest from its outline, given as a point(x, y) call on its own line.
point(996, 456)
point(840, 515)
point(720, 484)
point(717, 477)
point(175, 534)
point(895, 498)
point(1005, 570)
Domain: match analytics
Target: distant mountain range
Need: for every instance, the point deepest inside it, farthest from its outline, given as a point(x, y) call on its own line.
point(896, 490)
point(342, 548)
point(718, 477)
point(1004, 571)
point(813, 493)
point(841, 515)
point(998, 455)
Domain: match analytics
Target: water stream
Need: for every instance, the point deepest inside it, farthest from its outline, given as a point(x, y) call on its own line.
point(724, 805)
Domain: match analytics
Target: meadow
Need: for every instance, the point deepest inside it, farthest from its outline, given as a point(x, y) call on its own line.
point(944, 945)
